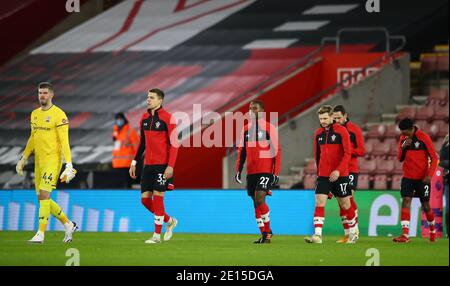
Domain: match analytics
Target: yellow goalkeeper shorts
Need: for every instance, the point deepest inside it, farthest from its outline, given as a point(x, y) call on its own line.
point(46, 175)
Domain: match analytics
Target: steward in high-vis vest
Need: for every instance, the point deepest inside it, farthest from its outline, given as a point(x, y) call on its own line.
point(126, 142)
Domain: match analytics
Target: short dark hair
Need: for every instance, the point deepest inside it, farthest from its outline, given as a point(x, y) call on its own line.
point(325, 109)
point(406, 124)
point(339, 108)
point(259, 102)
point(46, 84)
point(159, 92)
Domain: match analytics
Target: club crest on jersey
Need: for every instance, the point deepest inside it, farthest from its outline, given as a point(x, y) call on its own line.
point(333, 137)
point(48, 119)
point(157, 124)
point(417, 144)
point(260, 134)
point(64, 121)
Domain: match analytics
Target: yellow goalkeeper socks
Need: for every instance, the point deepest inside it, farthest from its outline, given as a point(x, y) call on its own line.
point(57, 212)
point(44, 214)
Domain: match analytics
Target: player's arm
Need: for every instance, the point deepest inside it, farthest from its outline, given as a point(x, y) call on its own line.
point(173, 150)
point(433, 155)
point(360, 150)
point(29, 148)
point(62, 131)
point(242, 156)
point(346, 144)
point(316, 150)
point(139, 152)
point(275, 146)
point(402, 148)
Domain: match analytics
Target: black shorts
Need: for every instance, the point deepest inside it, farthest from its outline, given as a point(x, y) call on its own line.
point(353, 181)
point(259, 182)
point(415, 189)
point(340, 188)
point(152, 179)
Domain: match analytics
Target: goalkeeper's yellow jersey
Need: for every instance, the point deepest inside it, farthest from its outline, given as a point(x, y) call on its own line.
point(49, 137)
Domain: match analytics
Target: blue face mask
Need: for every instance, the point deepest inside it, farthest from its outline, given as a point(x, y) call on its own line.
point(120, 122)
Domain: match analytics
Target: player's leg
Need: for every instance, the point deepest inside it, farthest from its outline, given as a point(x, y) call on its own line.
point(147, 189)
point(342, 192)
point(407, 193)
point(43, 190)
point(353, 183)
point(424, 195)
point(251, 192)
point(322, 190)
point(263, 185)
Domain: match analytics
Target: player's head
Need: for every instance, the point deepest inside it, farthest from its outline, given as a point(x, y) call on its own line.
point(155, 98)
point(45, 93)
point(339, 114)
point(325, 113)
point(256, 107)
point(406, 126)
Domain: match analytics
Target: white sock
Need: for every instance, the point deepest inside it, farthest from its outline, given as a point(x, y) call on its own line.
point(170, 221)
point(68, 224)
point(157, 235)
point(318, 231)
point(41, 233)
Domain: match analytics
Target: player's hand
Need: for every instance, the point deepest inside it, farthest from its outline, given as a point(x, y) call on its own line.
point(132, 170)
point(276, 179)
point(407, 143)
point(168, 173)
point(68, 174)
point(20, 165)
point(238, 178)
point(330, 195)
point(334, 176)
point(427, 180)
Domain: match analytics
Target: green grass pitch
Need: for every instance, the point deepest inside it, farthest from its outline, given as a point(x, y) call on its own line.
point(214, 249)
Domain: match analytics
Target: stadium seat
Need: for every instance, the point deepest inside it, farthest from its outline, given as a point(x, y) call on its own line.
point(437, 97)
point(380, 182)
point(309, 181)
point(440, 112)
point(382, 149)
point(396, 182)
point(398, 167)
point(438, 143)
point(384, 167)
point(424, 113)
point(376, 131)
point(393, 144)
point(369, 145)
point(443, 127)
point(363, 181)
point(407, 112)
point(392, 131)
point(367, 166)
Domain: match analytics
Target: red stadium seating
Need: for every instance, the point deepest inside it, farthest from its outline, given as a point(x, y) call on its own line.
point(425, 113)
point(376, 131)
point(367, 166)
point(443, 127)
point(384, 167)
point(398, 167)
point(380, 182)
point(381, 149)
point(393, 143)
point(396, 182)
point(407, 112)
point(437, 97)
point(369, 145)
point(392, 131)
point(440, 112)
point(363, 181)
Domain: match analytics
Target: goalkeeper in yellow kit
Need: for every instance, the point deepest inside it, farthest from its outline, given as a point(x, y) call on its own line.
point(49, 140)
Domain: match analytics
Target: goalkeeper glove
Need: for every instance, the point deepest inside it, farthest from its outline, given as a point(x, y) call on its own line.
point(20, 165)
point(238, 178)
point(68, 174)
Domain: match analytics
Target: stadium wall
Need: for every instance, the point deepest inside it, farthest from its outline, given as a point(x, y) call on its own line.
point(205, 211)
